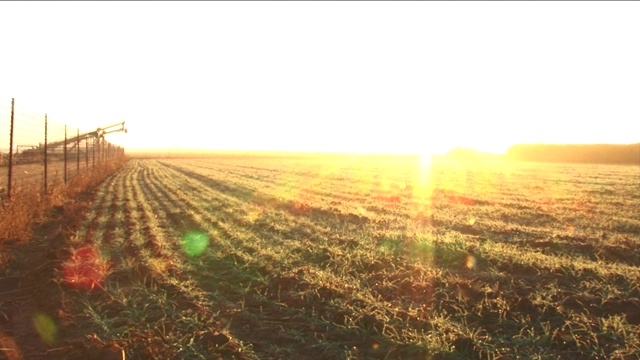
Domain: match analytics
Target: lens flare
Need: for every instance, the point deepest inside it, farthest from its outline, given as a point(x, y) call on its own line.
point(9, 348)
point(425, 160)
point(195, 243)
point(85, 269)
point(471, 262)
point(571, 229)
point(46, 327)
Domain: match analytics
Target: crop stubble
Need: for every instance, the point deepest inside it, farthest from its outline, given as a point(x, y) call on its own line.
point(362, 257)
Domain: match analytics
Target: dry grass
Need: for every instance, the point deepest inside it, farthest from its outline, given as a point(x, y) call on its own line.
point(29, 205)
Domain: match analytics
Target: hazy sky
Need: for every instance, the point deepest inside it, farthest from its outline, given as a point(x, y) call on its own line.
point(332, 76)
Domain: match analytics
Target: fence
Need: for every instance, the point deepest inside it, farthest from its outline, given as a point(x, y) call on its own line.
point(37, 152)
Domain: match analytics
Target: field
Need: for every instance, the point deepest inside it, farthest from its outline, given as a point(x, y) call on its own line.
point(345, 257)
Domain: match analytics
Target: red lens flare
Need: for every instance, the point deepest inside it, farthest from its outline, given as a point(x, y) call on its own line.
point(85, 269)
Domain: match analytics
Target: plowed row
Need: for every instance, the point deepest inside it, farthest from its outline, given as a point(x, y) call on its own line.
point(360, 257)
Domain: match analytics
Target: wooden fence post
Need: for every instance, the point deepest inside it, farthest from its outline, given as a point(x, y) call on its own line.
point(65, 154)
point(78, 152)
point(86, 153)
point(45, 153)
point(93, 157)
point(10, 177)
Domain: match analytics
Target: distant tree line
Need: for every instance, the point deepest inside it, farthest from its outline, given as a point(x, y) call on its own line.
point(579, 153)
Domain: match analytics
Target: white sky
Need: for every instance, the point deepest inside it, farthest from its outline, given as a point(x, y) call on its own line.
point(332, 76)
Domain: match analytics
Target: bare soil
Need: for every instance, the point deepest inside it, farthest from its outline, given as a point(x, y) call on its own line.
point(29, 289)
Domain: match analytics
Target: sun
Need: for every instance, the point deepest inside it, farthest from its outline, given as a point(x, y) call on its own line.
point(427, 152)
point(425, 159)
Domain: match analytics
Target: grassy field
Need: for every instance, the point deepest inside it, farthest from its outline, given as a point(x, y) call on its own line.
point(356, 257)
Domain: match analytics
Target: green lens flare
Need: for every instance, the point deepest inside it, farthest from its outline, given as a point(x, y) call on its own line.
point(46, 328)
point(195, 243)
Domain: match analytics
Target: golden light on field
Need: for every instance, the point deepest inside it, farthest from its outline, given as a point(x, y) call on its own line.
point(378, 245)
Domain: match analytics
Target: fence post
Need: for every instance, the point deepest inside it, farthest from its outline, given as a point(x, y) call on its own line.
point(10, 175)
point(78, 152)
point(99, 153)
point(45, 153)
point(86, 153)
point(65, 154)
point(93, 156)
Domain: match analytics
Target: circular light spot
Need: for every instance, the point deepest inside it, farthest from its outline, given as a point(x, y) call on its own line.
point(46, 327)
point(195, 243)
point(471, 261)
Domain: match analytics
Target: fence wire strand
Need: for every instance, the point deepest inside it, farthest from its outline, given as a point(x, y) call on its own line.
point(40, 153)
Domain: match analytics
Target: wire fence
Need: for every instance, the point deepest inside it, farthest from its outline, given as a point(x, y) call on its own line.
point(37, 153)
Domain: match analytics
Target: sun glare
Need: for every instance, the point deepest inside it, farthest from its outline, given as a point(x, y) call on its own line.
point(427, 153)
point(425, 159)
